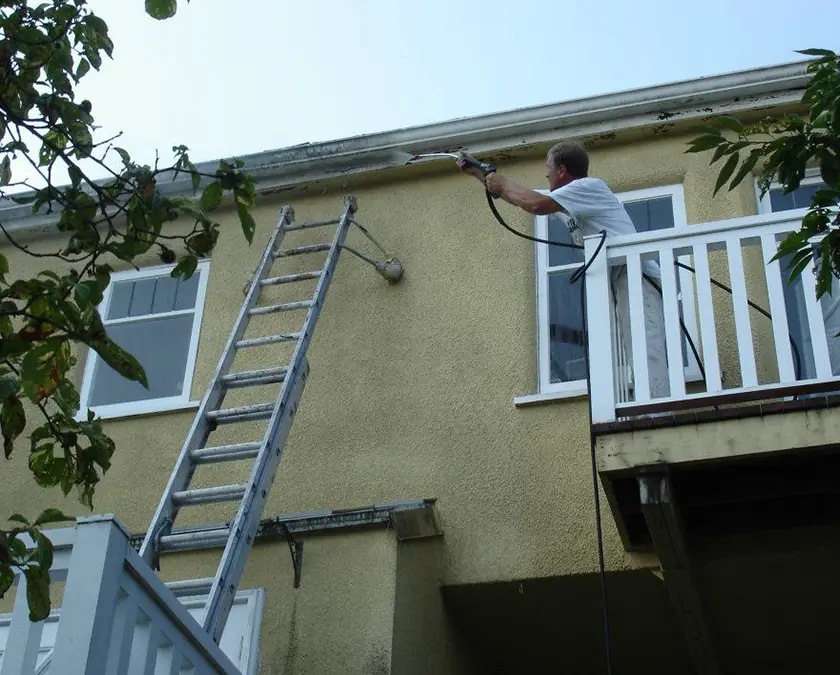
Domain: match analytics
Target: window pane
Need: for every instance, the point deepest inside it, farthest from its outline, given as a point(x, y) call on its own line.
point(141, 302)
point(120, 302)
point(638, 213)
point(800, 198)
point(651, 214)
point(565, 329)
point(560, 255)
point(661, 213)
point(187, 292)
point(161, 346)
point(166, 289)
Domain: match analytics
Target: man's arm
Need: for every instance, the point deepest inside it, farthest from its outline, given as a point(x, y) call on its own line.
point(525, 198)
point(513, 193)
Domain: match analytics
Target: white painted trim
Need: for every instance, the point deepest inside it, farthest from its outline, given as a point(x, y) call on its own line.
point(153, 405)
point(536, 399)
point(575, 387)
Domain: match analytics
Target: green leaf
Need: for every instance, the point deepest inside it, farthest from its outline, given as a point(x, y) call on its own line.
point(7, 578)
point(12, 422)
point(5, 171)
point(9, 386)
point(211, 197)
point(126, 158)
point(4, 265)
point(815, 52)
point(82, 69)
point(706, 142)
point(247, 222)
point(51, 516)
point(161, 9)
point(38, 592)
point(726, 171)
point(75, 175)
point(186, 267)
point(120, 360)
point(18, 518)
point(745, 169)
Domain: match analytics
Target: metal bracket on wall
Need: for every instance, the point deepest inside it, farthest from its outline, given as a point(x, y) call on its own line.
point(296, 550)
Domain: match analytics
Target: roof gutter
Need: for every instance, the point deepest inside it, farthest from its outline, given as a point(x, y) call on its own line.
point(297, 165)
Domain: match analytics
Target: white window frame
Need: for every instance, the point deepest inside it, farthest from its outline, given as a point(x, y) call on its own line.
point(153, 405)
point(247, 659)
point(578, 387)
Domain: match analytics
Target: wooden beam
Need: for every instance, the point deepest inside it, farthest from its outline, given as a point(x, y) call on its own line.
point(665, 526)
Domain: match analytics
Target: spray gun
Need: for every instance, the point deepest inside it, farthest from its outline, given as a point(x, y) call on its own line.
point(485, 167)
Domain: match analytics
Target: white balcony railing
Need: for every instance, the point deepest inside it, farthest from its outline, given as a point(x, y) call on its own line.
point(739, 251)
point(116, 616)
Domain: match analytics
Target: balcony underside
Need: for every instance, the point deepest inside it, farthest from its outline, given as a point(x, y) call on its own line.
point(734, 471)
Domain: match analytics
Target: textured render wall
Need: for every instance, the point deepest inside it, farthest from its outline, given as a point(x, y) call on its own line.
point(411, 387)
point(425, 639)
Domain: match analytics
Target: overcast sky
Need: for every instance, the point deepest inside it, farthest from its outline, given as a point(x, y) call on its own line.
point(229, 77)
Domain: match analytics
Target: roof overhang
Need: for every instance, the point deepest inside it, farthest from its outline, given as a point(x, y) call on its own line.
point(598, 116)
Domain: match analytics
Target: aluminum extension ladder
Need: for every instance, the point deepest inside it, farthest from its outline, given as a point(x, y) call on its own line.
point(267, 452)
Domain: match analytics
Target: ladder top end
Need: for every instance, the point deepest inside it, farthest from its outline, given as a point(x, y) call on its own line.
point(287, 213)
point(351, 204)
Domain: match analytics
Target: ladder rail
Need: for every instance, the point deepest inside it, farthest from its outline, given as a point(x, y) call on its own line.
point(244, 527)
point(199, 430)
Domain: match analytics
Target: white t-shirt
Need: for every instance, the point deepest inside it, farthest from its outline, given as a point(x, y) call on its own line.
point(593, 208)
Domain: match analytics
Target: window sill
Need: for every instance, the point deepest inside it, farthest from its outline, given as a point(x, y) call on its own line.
point(139, 409)
point(549, 397)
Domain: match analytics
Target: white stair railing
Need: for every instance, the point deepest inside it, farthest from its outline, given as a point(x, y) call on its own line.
point(116, 616)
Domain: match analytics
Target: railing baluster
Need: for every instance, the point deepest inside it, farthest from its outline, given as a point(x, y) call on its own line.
point(778, 310)
point(638, 334)
point(24, 637)
point(816, 323)
point(671, 312)
point(706, 310)
point(125, 624)
point(743, 330)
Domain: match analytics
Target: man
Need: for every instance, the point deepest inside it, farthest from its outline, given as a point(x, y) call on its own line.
point(588, 206)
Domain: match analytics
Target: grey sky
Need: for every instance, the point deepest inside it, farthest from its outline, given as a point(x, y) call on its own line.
point(232, 77)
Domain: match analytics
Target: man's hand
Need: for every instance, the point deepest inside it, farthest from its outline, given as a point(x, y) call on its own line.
point(495, 183)
point(470, 170)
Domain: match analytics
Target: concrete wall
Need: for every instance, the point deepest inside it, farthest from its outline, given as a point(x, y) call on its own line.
point(412, 386)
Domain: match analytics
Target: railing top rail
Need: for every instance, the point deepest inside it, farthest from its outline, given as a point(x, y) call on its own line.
point(651, 240)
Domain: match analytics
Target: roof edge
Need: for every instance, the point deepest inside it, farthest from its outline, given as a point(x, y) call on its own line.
point(295, 165)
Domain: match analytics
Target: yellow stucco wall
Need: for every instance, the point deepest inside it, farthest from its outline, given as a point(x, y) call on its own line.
point(412, 386)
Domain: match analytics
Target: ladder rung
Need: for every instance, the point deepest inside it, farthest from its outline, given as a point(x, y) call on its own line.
point(307, 226)
point(285, 307)
point(184, 541)
point(226, 453)
point(210, 495)
point(190, 586)
point(241, 414)
point(248, 378)
point(300, 250)
point(268, 340)
point(290, 278)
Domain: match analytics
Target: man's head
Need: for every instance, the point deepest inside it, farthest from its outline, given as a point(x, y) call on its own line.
point(564, 163)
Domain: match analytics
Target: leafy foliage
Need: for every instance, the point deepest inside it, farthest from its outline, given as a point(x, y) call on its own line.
point(45, 51)
point(783, 149)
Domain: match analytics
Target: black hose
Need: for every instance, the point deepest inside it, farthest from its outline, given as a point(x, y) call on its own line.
point(759, 309)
